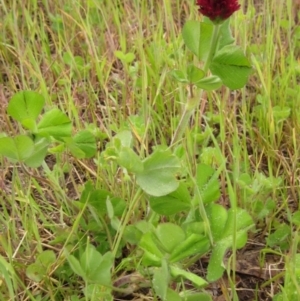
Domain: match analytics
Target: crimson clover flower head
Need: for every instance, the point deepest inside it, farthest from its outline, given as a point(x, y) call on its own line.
point(217, 10)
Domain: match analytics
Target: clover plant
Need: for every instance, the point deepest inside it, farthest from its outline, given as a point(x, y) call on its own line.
point(194, 223)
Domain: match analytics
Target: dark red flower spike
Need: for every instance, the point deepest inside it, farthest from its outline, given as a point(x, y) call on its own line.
point(217, 10)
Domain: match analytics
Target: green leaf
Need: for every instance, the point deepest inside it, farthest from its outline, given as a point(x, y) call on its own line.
point(46, 258)
point(160, 281)
point(38, 270)
point(238, 222)
point(132, 234)
point(74, 61)
point(110, 209)
point(173, 203)
point(96, 292)
point(18, 148)
point(158, 176)
point(126, 58)
point(75, 266)
point(57, 149)
point(232, 55)
point(125, 137)
point(55, 123)
point(216, 267)
point(145, 226)
point(35, 272)
point(75, 151)
point(196, 280)
point(97, 268)
point(90, 261)
point(211, 155)
point(296, 218)
point(39, 153)
point(279, 236)
point(281, 113)
point(25, 107)
point(194, 244)
point(179, 76)
point(226, 37)
point(172, 295)
point(197, 38)
point(97, 198)
point(209, 83)
point(137, 123)
point(194, 74)
point(207, 183)
point(83, 144)
point(128, 159)
point(194, 227)
point(232, 66)
point(170, 236)
point(152, 255)
point(68, 58)
point(217, 216)
point(197, 297)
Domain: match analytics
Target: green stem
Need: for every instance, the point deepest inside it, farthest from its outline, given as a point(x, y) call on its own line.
point(193, 102)
point(213, 46)
point(125, 220)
